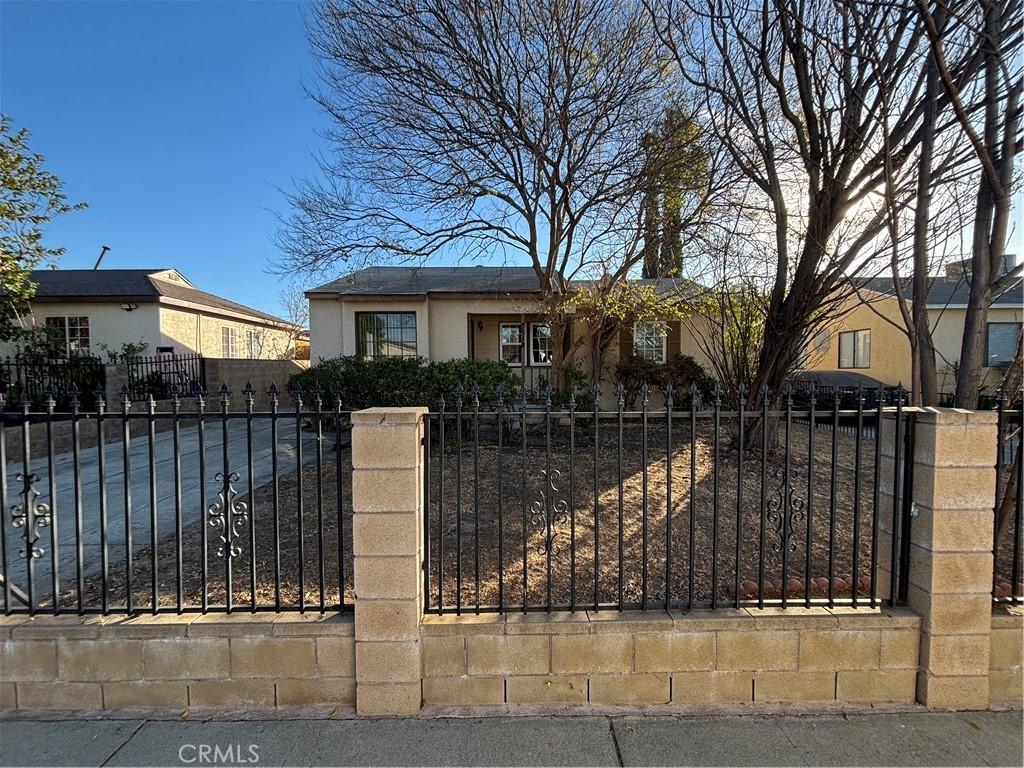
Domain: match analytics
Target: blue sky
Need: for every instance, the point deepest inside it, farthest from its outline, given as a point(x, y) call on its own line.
point(176, 122)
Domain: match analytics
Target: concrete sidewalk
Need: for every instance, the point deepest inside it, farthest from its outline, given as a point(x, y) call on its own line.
point(908, 738)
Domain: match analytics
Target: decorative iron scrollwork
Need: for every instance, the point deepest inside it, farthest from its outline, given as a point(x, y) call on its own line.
point(30, 515)
point(229, 514)
point(784, 512)
point(549, 510)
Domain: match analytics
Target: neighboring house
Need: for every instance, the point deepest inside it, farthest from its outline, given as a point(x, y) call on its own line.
point(442, 313)
point(868, 337)
point(96, 311)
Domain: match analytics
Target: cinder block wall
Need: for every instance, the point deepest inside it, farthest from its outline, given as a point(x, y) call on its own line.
point(174, 662)
point(703, 657)
point(1006, 679)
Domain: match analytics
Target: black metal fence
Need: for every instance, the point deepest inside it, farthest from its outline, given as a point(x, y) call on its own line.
point(193, 509)
point(1007, 581)
point(34, 377)
point(164, 375)
point(531, 508)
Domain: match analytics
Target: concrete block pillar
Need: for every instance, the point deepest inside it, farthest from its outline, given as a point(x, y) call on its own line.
point(951, 554)
point(387, 549)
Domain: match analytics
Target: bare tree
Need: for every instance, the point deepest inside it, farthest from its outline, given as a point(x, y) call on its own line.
point(473, 129)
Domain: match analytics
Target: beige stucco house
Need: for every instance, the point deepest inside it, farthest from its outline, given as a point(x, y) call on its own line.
point(868, 336)
point(97, 311)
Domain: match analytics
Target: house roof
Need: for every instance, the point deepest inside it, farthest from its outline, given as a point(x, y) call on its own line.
point(423, 281)
point(953, 291)
point(137, 285)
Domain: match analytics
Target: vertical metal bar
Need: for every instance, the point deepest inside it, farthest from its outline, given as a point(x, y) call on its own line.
point(715, 492)
point(339, 490)
point(28, 503)
point(596, 394)
point(693, 492)
point(300, 533)
point(4, 506)
point(643, 497)
point(102, 477)
point(621, 403)
point(276, 502)
point(227, 504)
point(440, 508)
point(52, 478)
point(203, 509)
point(906, 503)
point(786, 510)
point(810, 496)
point(499, 407)
point(129, 564)
point(764, 495)
point(458, 500)
point(1017, 596)
point(154, 534)
point(1000, 428)
point(896, 494)
point(858, 451)
point(875, 511)
point(548, 481)
point(321, 571)
point(833, 484)
point(572, 502)
point(476, 498)
point(250, 469)
point(668, 496)
point(426, 510)
point(526, 575)
point(741, 436)
point(179, 577)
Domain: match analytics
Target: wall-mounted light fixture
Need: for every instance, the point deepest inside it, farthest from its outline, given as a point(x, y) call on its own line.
point(129, 307)
point(480, 325)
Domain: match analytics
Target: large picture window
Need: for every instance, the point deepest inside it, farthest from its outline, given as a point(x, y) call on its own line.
point(649, 342)
point(510, 343)
point(69, 335)
point(855, 349)
point(540, 344)
point(385, 334)
point(1000, 343)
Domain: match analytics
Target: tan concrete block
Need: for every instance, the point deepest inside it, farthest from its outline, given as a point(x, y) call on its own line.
point(335, 624)
point(233, 625)
point(447, 625)
point(508, 655)
point(775, 649)
point(630, 689)
point(389, 416)
point(629, 622)
point(100, 660)
point(899, 649)
point(186, 658)
point(60, 695)
point(840, 649)
point(385, 490)
point(555, 623)
point(591, 654)
point(952, 614)
point(954, 654)
point(956, 530)
point(464, 690)
point(8, 623)
point(675, 652)
point(1006, 648)
point(706, 620)
point(385, 447)
point(1006, 686)
point(794, 686)
point(145, 694)
point(387, 620)
point(385, 534)
point(63, 627)
point(951, 572)
point(712, 687)
point(146, 626)
point(954, 487)
point(386, 578)
point(444, 656)
point(329, 691)
point(546, 689)
point(231, 693)
point(336, 656)
point(273, 657)
point(966, 445)
point(388, 662)
point(388, 699)
point(8, 696)
point(794, 617)
point(876, 686)
point(953, 693)
point(28, 660)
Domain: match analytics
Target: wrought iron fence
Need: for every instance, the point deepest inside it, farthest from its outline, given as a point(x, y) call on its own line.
point(33, 377)
point(1007, 555)
point(193, 509)
point(164, 375)
point(531, 508)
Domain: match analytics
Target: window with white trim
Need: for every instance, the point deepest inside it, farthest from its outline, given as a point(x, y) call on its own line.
point(228, 341)
point(510, 343)
point(650, 342)
point(68, 334)
point(540, 344)
point(252, 343)
point(855, 349)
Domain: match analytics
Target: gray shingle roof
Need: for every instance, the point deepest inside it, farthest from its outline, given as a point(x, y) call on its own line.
point(135, 285)
point(945, 291)
point(421, 281)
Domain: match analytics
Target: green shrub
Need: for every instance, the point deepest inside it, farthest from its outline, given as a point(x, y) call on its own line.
point(407, 381)
point(681, 371)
